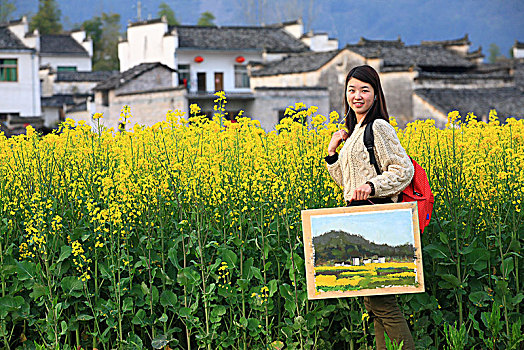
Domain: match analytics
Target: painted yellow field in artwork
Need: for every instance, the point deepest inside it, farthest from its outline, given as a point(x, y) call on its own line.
point(368, 276)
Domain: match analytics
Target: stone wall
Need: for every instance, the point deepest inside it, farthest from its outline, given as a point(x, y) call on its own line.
point(398, 89)
point(270, 101)
point(147, 108)
point(157, 78)
point(423, 110)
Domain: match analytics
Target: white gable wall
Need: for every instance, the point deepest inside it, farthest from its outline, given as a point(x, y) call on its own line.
point(147, 43)
point(518, 53)
point(22, 96)
point(82, 63)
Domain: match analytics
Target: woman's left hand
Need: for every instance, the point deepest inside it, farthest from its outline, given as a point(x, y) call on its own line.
point(362, 193)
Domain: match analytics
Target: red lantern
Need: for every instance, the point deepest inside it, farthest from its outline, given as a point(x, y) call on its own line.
point(240, 59)
point(199, 59)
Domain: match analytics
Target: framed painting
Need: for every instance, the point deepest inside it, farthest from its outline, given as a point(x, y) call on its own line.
point(362, 250)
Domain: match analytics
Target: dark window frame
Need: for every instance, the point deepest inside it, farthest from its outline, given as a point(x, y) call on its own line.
point(8, 69)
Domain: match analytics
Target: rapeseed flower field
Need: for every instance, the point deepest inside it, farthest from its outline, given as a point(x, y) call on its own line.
point(186, 235)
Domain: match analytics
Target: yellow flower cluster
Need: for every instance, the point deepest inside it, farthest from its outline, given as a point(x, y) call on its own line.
point(114, 182)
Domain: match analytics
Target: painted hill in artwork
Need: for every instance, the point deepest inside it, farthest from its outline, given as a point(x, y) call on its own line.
point(342, 246)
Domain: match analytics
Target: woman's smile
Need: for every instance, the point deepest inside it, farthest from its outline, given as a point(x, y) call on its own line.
point(360, 97)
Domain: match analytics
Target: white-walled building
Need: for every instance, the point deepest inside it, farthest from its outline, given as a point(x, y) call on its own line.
point(210, 59)
point(518, 49)
point(19, 84)
point(22, 84)
point(66, 52)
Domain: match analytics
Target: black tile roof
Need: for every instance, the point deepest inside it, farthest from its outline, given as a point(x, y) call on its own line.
point(95, 76)
point(518, 45)
point(9, 41)
point(57, 100)
point(414, 55)
point(124, 77)
point(61, 44)
point(508, 102)
point(296, 63)
point(461, 41)
point(490, 72)
point(273, 39)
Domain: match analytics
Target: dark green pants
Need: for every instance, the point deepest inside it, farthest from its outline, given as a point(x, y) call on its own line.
point(388, 318)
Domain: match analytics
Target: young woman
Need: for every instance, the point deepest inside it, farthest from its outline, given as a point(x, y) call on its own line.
point(364, 101)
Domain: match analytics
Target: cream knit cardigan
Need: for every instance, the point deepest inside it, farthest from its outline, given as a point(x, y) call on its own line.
point(353, 169)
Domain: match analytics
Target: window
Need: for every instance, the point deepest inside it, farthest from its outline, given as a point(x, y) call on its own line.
point(8, 69)
point(66, 69)
point(241, 76)
point(183, 75)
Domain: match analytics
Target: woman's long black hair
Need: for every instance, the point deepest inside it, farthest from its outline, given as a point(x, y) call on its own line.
point(378, 109)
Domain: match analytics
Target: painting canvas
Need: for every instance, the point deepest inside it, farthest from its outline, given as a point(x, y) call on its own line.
point(364, 250)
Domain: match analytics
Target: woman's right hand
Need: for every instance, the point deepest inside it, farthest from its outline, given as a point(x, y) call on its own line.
point(336, 140)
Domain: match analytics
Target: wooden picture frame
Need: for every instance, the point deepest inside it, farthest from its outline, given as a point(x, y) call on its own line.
point(352, 251)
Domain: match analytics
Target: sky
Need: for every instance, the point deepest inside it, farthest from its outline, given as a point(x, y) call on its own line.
point(495, 21)
point(393, 227)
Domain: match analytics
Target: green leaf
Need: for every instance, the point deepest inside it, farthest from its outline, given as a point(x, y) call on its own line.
point(252, 324)
point(243, 321)
point(127, 305)
point(63, 325)
point(168, 298)
point(218, 310)
point(104, 270)
point(25, 270)
point(247, 273)
point(84, 317)
point(229, 257)
point(65, 252)
point(139, 317)
point(453, 280)
point(9, 304)
point(256, 272)
point(163, 318)
point(172, 255)
point(444, 238)
point(478, 297)
point(38, 291)
point(272, 287)
point(159, 342)
point(134, 342)
point(184, 312)
point(71, 283)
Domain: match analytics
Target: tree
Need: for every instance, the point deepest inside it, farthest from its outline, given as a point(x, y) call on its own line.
point(6, 10)
point(104, 32)
point(47, 19)
point(165, 10)
point(494, 53)
point(206, 19)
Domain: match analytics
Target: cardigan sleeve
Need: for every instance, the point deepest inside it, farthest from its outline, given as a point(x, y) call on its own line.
point(397, 168)
point(335, 171)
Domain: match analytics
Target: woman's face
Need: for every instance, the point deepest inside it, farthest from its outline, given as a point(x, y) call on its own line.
point(360, 97)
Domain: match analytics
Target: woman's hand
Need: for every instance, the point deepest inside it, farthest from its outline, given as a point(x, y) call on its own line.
point(362, 193)
point(336, 140)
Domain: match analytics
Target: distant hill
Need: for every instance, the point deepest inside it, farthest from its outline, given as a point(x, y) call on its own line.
point(342, 246)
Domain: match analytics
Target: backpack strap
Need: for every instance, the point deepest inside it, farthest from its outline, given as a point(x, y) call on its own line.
point(369, 141)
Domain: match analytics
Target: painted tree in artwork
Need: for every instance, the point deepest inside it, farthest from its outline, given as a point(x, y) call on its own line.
point(47, 19)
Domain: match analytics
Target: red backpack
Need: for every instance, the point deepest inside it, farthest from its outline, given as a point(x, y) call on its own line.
point(418, 190)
